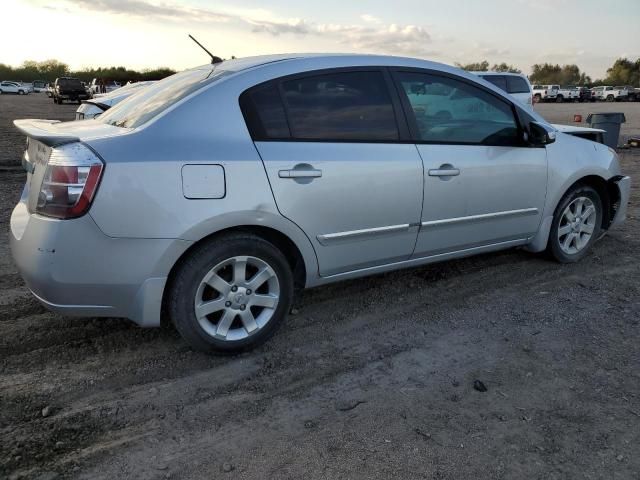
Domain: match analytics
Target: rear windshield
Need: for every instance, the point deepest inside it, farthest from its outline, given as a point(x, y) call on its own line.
point(69, 82)
point(142, 107)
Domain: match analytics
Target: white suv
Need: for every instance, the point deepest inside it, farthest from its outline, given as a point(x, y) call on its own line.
point(515, 84)
point(14, 87)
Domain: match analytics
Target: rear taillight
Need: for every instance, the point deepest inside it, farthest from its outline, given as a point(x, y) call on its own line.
point(70, 181)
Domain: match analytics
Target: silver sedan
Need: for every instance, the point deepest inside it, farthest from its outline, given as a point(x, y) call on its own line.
point(215, 194)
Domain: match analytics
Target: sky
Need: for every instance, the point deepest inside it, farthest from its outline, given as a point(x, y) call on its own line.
point(152, 33)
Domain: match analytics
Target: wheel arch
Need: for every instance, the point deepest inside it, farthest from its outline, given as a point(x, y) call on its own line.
point(298, 256)
point(607, 190)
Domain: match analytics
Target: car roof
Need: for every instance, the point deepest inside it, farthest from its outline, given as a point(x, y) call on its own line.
point(338, 60)
point(511, 74)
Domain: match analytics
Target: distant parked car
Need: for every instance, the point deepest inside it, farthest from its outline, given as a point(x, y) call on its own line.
point(68, 88)
point(39, 86)
point(545, 93)
point(566, 94)
point(515, 84)
point(14, 87)
point(216, 193)
point(103, 102)
point(609, 94)
point(584, 93)
point(94, 87)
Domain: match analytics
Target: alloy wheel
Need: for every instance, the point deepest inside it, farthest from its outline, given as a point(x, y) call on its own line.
point(237, 298)
point(577, 224)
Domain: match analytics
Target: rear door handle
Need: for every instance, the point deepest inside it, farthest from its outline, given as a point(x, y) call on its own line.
point(444, 172)
point(300, 173)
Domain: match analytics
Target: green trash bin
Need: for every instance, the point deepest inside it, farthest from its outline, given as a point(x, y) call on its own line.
point(610, 123)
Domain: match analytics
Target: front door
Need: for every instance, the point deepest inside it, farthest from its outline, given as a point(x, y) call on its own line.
point(483, 186)
point(332, 152)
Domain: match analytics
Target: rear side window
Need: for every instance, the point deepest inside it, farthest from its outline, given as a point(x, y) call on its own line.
point(340, 106)
point(517, 85)
point(498, 80)
point(264, 113)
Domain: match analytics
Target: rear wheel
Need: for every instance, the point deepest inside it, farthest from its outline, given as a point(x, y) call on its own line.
point(576, 224)
point(610, 98)
point(231, 293)
point(559, 99)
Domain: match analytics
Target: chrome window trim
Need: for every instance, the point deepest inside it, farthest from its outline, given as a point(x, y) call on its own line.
point(329, 238)
point(483, 216)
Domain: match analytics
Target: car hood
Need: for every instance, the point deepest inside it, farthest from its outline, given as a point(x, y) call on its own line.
point(575, 129)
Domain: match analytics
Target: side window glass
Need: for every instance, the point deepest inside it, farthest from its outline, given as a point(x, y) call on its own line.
point(517, 85)
point(344, 106)
point(467, 114)
point(270, 113)
point(498, 80)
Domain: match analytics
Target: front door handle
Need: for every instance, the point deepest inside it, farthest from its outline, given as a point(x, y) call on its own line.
point(444, 171)
point(300, 173)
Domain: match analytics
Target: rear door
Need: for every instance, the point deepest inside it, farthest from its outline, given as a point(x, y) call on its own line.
point(336, 151)
point(483, 186)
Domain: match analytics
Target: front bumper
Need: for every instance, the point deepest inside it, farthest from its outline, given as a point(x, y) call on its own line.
point(624, 187)
point(75, 269)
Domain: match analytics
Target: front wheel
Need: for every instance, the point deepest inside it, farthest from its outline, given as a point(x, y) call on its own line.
point(576, 224)
point(231, 293)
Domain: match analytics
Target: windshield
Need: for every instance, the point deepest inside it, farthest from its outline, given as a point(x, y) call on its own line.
point(142, 107)
point(69, 82)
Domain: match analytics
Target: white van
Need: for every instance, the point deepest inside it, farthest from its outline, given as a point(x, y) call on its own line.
point(515, 84)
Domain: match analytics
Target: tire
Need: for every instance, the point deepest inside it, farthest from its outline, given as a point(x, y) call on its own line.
point(236, 324)
point(1, 92)
point(20, 92)
point(610, 98)
point(559, 99)
point(537, 98)
point(584, 232)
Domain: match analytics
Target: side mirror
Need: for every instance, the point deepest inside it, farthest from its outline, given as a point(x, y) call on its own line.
point(540, 134)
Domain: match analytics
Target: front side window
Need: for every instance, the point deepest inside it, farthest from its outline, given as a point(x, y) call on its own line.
point(343, 106)
point(466, 115)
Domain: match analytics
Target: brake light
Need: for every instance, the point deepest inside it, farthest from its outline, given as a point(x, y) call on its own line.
point(70, 181)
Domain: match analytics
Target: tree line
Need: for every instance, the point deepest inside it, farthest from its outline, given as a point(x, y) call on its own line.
point(49, 70)
point(622, 72)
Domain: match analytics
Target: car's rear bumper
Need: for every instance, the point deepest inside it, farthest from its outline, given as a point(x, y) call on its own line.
point(75, 269)
point(624, 187)
point(73, 96)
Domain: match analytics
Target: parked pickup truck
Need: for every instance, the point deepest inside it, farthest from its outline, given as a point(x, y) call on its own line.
point(632, 93)
point(610, 94)
point(544, 93)
point(584, 92)
point(68, 88)
point(566, 94)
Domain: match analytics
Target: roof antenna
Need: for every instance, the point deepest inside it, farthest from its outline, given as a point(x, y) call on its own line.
point(214, 59)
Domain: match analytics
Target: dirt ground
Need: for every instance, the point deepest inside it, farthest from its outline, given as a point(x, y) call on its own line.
point(370, 379)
